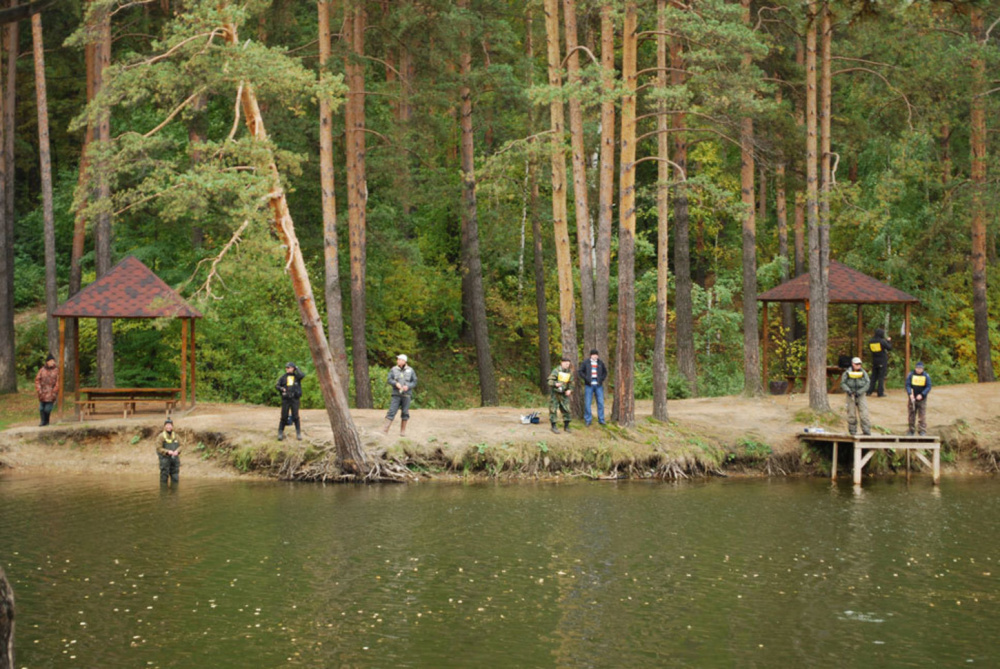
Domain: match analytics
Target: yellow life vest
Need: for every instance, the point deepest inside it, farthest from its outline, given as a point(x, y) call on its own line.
point(875, 347)
point(290, 380)
point(564, 377)
point(918, 380)
point(855, 375)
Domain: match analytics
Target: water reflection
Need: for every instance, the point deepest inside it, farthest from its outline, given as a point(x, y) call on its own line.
point(124, 573)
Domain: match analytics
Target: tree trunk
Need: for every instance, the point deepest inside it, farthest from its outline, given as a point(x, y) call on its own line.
point(10, 93)
point(660, 370)
point(357, 197)
point(544, 357)
point(472, 267)
point(606, 186)
point(781, 201)
point(564, 260)
point(45, 169)
point(978, 145)
point(8, 367)
point(6, 623)
point(682, 242)
point(580, 194)
point(350, 454)
point(102, 233)
point(624, 406)
point(751, 341)
point(800, 234)
point(331, 284)
point(79, 224)
point(818, 273)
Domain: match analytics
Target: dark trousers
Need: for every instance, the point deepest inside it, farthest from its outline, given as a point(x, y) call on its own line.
point(44, 411)
point(917, 414)
point(399, 403)
point(878, 379)
point(170, 467)
point(289, 405)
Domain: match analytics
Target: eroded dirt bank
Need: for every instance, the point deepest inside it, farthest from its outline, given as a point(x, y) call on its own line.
point(704, 436)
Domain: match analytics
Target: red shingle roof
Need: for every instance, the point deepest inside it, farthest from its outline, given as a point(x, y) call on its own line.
point(129, 290)
point(847, 286)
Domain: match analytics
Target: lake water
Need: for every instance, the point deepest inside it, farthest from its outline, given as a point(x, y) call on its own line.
point(117, 572)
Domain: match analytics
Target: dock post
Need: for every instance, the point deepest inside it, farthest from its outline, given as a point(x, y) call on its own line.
point(857, 463)
point(833, 467)
point(937, 464)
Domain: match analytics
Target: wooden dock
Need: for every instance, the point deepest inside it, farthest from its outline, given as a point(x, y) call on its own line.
point(871, 443)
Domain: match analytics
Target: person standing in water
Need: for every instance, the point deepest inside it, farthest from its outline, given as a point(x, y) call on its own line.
point(169, 452)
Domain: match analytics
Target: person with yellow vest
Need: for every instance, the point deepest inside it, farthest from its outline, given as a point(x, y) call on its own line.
point(879, 345)
point(855, 382)
point(290, 386)
point(918, 387)
point(560, 389)
point(169, 451)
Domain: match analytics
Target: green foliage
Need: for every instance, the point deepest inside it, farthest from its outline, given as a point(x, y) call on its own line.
point(898, 120)
point(789, 356)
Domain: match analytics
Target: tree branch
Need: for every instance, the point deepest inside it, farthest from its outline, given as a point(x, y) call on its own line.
point(212, 273)
point(175, 112)
point(665, 160)
point(909, 107)
point(580, 47)
point(14, 14)
point(171, 50)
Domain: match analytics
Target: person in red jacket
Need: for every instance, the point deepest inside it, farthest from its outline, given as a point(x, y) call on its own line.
point(47, 388)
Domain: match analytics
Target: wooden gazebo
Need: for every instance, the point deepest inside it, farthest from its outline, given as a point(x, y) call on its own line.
point(129, 290)
point(847, 286)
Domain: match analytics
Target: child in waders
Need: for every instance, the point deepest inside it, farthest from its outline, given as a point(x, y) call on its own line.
point(169, 451)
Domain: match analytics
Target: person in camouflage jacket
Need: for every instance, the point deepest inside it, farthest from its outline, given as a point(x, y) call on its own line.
point(560, 390)
point(855, 382)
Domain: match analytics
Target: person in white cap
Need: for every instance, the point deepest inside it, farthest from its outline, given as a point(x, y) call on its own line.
point(855, 382)
point(402, 379)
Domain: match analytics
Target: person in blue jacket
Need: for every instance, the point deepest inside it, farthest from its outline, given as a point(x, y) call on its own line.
point(918, 387)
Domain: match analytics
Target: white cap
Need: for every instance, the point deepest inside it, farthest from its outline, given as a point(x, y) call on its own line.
point(855, 361)
point(402, 357)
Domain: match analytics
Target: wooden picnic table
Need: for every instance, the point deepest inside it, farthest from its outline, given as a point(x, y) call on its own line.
point(126, 398)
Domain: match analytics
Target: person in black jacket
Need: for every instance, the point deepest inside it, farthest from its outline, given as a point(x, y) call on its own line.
point(290, 386)
point(593, 373)
point(879, 345)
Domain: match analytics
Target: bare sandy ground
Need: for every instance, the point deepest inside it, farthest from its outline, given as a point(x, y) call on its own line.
point(969, 413)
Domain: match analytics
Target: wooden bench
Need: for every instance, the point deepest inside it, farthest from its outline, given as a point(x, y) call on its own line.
point(126, 398)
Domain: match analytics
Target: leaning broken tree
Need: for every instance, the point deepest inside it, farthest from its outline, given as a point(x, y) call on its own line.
point(238, 172)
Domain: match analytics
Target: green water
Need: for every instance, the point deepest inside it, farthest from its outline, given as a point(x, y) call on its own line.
point(118, 573)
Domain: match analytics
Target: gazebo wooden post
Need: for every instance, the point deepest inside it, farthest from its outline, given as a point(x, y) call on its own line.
point(906, 320)
point(765, 339)
point(62, 357)
point(184, 338)
point(859, 330)
point(808, 322)
point(76, 368)
point(192, 364)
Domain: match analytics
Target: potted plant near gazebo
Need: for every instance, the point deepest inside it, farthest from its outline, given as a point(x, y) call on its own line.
point(790, 362)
